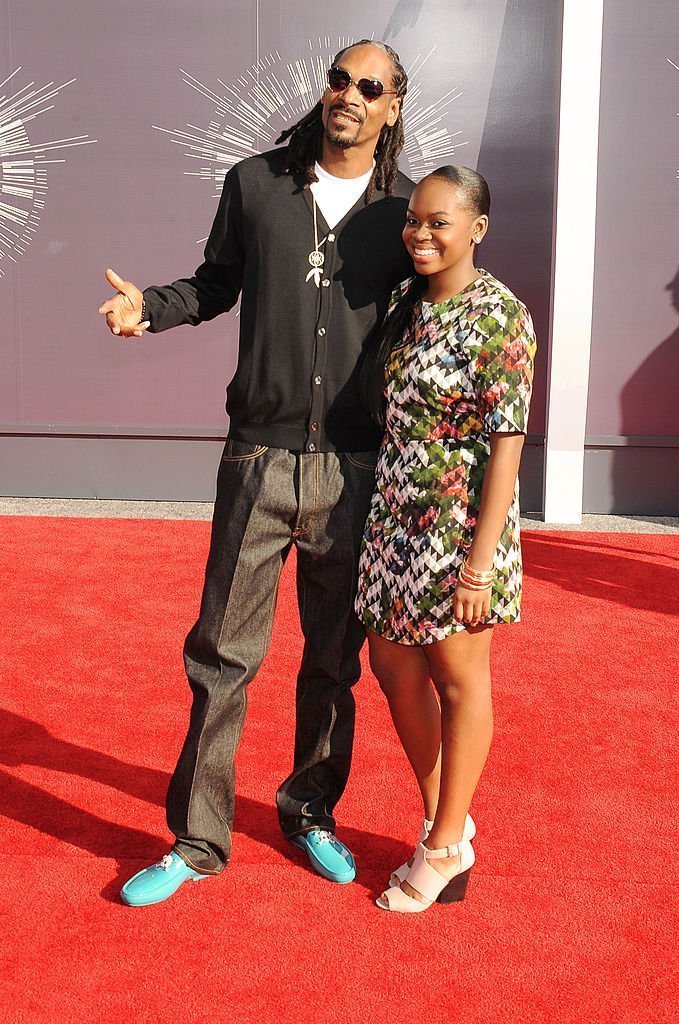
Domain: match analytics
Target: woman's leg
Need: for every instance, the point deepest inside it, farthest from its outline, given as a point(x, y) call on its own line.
point(403, 675)
point(460, 670)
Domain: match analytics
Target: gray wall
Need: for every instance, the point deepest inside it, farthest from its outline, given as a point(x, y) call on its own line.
point(85, 414)
point(632, 458)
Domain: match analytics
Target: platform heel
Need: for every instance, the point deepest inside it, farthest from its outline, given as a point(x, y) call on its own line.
point(456, 889)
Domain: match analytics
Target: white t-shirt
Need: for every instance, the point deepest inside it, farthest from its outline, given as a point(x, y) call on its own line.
point(336, 196)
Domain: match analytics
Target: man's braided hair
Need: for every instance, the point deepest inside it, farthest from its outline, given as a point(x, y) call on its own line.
point(306, 137)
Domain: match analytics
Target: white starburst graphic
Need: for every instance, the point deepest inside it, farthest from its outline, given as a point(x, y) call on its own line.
point(676, 66)
point(250, 113)
point(24, 163)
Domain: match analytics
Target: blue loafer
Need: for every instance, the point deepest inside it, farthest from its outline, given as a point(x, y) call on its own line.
point(159, 882)
point(327, 855)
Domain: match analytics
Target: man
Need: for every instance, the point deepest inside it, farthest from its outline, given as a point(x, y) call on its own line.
point(309, 236)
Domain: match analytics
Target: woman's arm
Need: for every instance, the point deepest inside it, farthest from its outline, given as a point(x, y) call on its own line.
point(471, 606)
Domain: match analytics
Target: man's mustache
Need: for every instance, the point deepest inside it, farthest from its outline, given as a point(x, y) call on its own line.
point(345, 110)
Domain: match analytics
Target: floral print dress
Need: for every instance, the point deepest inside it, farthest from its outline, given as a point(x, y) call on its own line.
point(463, 371)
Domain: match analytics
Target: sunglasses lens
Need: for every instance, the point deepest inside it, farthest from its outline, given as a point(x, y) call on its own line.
point(338, 80)
point(370, 88)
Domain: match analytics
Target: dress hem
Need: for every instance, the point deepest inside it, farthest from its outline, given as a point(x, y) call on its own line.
point(456, 628)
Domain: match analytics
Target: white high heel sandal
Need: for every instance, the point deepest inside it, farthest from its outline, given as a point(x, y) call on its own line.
point(400, 874)
point(429, 882)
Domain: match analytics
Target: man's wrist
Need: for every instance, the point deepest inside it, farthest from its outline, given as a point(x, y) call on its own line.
point(142, 318)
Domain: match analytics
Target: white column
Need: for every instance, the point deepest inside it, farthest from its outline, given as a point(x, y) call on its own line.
point(573, 284)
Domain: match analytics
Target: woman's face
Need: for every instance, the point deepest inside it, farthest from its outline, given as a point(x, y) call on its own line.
point(440, 232)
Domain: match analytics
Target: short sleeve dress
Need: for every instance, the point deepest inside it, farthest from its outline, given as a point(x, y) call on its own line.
point(463, 371)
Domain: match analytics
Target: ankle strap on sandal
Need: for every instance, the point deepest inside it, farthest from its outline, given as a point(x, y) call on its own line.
point(446, 851)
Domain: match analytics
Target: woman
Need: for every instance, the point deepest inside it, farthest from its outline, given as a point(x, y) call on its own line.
point(441, 562)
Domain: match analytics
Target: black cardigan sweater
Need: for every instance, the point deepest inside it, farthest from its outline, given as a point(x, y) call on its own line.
point(296, 381)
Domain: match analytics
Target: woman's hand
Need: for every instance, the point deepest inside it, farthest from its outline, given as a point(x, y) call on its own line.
point(471, 606)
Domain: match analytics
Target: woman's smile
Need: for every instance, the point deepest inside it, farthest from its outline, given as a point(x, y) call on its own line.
point(422, 253)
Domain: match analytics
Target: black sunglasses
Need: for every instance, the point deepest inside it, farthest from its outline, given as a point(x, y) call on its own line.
point(370, 88)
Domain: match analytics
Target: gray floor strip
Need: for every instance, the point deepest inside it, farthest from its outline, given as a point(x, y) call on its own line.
point(107, 509)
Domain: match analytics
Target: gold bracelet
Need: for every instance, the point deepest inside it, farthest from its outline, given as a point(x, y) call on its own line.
point(479, 577)
point(477, 572)
point(462, 582)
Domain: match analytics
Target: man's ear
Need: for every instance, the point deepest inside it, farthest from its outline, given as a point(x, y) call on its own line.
point(394, 109)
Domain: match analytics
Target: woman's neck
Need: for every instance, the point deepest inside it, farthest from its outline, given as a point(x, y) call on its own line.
point(450, 282)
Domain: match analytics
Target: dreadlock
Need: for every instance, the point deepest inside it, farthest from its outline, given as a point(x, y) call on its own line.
point(306, 137)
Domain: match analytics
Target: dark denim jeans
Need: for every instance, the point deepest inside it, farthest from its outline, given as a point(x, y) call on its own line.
point(267, 500)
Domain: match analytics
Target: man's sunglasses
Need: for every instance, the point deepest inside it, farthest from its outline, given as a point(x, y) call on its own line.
point(370, 88)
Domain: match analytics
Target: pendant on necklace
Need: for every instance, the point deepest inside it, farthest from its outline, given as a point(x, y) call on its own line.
point(316, 259)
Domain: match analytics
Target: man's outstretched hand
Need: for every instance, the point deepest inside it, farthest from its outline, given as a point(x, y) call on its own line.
point(123, 311)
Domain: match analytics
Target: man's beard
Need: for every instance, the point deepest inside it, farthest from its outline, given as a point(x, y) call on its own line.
point(339, 139)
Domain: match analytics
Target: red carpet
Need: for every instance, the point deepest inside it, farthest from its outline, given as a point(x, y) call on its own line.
point(570, 909)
